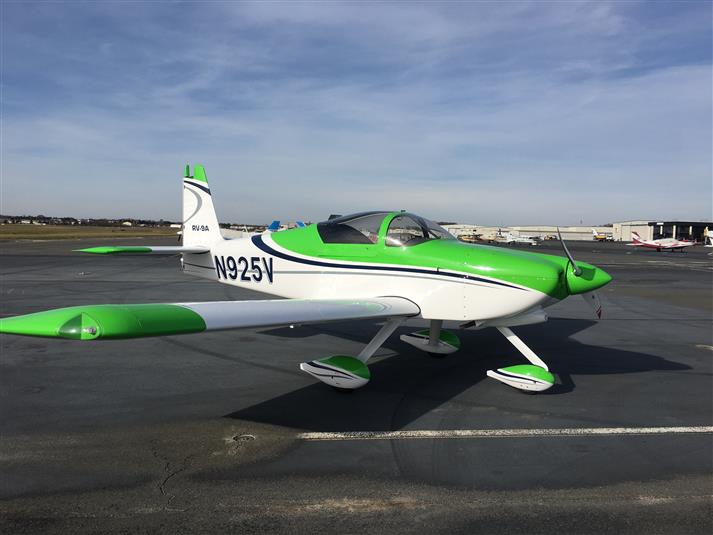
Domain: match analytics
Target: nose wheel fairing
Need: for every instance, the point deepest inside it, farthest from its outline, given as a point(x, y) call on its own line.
point(524, 377)
point(533, 377)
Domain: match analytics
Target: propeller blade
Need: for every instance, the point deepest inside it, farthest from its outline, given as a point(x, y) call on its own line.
point(575, 267)
point(592, 299)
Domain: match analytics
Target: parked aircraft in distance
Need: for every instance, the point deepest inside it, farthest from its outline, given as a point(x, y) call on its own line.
point(274, 226)
point(510, 238)
point(600, 236)
point(386, 266)
point(663, 244)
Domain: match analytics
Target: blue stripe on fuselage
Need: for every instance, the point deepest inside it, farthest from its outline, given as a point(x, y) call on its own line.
point(260, 244)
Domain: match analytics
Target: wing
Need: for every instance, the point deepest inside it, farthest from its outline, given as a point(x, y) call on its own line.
point(93, 322)
point(143, 249)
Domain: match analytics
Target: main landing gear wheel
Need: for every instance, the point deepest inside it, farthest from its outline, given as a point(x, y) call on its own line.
point(340, 371)
point(344, 372)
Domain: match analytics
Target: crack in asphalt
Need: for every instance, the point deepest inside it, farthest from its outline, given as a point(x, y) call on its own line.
point(170, 472)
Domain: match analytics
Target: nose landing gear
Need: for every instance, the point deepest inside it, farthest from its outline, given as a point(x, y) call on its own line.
point(533, 377)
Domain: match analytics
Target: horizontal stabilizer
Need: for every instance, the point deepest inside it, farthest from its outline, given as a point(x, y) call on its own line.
point(93, 322)
point(143, 249)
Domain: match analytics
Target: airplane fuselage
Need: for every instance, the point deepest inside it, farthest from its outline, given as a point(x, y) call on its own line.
point(447, 279)
point(668, 244)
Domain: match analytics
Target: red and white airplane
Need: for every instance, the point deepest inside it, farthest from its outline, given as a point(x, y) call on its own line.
point(660, 245)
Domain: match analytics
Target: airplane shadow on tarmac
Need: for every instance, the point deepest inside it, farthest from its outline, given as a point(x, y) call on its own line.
point(411, 383)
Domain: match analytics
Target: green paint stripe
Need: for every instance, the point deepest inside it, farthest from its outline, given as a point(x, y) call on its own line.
point(94, 322)
point(348, 364)
point(114, 249)
point(532, 371)
point(548, 274)
point(538, 272)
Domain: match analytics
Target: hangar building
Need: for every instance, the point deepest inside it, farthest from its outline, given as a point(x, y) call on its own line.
point(653, 230)
point(576, 233)
point(648, 230)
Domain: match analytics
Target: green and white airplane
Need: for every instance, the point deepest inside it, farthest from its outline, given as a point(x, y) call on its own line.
point(380, 265)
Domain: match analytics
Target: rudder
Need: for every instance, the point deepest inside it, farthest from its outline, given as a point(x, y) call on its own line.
point(200, 224)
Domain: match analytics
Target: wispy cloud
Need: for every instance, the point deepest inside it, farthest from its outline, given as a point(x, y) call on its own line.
point(490, 113)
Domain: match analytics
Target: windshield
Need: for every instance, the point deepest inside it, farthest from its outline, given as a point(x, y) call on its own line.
point(406, 230)
point(363, 228)
point(356, 228)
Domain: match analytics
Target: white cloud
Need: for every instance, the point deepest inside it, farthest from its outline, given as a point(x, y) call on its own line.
point(515, 114)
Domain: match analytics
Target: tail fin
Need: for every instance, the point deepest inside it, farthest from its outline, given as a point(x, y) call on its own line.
point(200, 224)
point(274, 226)
point(635, 236)
point(300, 224)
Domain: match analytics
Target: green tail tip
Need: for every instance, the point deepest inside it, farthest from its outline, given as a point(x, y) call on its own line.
point(199, 173)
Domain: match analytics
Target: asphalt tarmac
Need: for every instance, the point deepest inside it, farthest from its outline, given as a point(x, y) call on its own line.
point(202, 433)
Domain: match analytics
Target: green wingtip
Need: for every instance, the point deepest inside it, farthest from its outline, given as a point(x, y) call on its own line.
point(72, 323)
point(199, 173)
point(114, 249)
point(93, 322)
point(188, 172)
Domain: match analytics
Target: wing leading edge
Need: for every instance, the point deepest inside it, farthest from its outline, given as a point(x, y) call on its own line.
point(94, 322)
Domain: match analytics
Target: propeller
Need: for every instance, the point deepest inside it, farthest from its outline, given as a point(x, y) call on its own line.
point(592, 298)
point(575, 267)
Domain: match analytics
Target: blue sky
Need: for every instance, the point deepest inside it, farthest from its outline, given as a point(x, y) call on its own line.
point(486, 113)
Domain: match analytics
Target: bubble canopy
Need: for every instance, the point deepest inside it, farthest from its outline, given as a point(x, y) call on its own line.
point(394, 229)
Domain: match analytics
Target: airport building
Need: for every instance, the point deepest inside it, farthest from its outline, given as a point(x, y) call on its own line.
point(648, 230)
point(576, 233)
point(654, 230)
point(485, 233)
